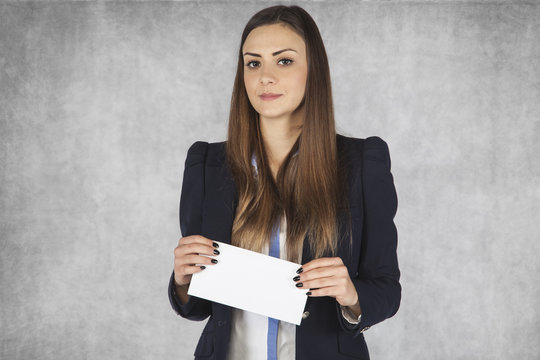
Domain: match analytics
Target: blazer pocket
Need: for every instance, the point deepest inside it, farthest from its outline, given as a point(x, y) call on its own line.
point(351, 346)
point(205, 346)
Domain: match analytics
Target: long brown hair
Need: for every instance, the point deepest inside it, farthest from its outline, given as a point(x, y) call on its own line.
point(307, 189)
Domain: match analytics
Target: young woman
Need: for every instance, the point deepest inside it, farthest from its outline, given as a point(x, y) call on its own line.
point(285, 184)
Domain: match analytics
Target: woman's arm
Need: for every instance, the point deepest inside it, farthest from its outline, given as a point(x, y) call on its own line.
point(377, 284)
point(181, 292)
point(191, 202)
point(374, 292)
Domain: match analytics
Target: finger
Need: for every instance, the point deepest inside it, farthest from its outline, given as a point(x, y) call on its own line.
point(190, 269)
point(321, 272)
point(195, 248)
point(195, 259)
point(321, 262)
point(196, 239)
point(327, 291)
point(321, 283)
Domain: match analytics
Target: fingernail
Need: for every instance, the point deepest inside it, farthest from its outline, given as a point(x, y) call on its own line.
point(203, 267)
point(214, 261)
point(308, 293)
point(299, 285)
point(299, 270)
point(296, 278)
point(215, 244)
point(216, 252)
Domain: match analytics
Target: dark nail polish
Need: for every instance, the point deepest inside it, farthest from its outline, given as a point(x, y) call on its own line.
point(216, 252)
point(214, 261)
point(296, 278)
point(308, 293)
point(299, 270)
point(203, 267)
point(299, 285)
point(215, 244)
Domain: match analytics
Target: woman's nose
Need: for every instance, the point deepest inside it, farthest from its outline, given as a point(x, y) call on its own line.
point(267, 76)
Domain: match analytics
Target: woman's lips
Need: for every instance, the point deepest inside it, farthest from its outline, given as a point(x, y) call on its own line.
point(269, 97)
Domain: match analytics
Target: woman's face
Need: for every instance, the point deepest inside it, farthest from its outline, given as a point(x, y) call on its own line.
point(275, 70)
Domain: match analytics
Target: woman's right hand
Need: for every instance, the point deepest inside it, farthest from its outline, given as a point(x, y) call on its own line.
point(188, 253)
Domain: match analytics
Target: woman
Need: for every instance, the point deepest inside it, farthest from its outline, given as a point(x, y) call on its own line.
point(287, 185)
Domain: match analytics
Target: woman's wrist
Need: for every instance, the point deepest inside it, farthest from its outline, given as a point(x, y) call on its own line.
point(181, 292)
point(355, 309)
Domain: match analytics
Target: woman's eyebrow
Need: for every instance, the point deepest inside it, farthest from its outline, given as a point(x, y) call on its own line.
point(273, 54)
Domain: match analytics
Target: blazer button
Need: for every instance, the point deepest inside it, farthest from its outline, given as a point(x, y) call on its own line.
point(305, 315)
point(221, 323)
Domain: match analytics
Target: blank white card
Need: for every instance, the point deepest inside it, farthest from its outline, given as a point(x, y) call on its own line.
point(253, 282)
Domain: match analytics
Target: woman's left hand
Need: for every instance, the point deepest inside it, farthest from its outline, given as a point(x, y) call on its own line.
point(328, 277)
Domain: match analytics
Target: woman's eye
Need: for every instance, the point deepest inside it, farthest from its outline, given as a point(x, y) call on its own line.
point(252, 64)
point(285, 62)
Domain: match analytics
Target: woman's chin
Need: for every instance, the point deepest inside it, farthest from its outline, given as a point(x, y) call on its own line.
point(272, 115)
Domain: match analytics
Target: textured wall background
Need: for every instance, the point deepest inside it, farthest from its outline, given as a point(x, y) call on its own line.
point(100, 101)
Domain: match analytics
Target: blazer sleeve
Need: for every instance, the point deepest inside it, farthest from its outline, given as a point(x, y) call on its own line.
point(377, 282)
point(191, 202)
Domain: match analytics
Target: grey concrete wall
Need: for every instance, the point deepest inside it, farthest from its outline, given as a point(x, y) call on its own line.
point(100, 101)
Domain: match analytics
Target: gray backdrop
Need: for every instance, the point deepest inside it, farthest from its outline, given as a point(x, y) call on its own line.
point(100, 101)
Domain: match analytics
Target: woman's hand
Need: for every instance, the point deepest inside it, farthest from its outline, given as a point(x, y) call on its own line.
point(329, 277)
point(188, 253)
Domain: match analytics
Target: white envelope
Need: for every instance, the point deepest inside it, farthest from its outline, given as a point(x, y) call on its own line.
point(253, 282)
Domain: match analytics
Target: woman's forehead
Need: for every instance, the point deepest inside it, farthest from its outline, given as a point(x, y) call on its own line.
point(275, 37)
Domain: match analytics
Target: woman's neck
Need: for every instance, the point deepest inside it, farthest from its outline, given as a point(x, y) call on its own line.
point(279, 136)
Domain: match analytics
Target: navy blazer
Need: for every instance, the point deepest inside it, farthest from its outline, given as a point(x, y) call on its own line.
point(208, 205)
